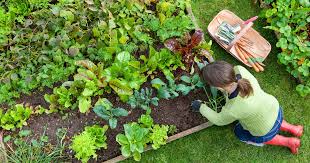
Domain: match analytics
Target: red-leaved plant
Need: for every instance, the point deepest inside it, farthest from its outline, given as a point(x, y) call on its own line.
point(185, 46)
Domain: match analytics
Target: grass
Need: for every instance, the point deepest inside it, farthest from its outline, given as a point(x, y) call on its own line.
point(218, 144)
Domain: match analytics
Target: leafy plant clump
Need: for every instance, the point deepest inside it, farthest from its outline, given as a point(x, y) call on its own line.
point(138, 135)
point(185, 45)
point(15, 117)
point(143, 99)
point(290, 19)
point(88, 82)
point(104, 109)
point(190, 83)
point(91, 139)
point(172, 90)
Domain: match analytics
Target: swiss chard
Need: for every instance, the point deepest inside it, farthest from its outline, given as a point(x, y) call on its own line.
point(185, 46)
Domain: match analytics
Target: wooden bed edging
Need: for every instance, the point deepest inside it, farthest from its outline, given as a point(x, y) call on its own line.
point(170, 139)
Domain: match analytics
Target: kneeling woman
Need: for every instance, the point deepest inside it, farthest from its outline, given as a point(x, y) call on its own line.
point(259, 114)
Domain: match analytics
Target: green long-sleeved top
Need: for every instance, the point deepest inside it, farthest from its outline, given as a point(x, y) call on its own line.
point(256, 113)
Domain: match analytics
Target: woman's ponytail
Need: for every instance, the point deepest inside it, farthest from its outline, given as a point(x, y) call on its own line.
point(222, 74)
point(244, 87)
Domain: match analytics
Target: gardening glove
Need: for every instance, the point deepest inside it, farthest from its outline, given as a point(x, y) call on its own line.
point(196, 105)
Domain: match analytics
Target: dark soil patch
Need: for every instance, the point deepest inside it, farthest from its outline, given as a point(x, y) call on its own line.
point(170, 112)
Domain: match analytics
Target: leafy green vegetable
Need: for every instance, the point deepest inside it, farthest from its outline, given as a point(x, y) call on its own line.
point(104, 109)
point(190, 83)
point(133, 141)
point(91, 139)
point(143, 99)
point(163, 90)
point(15, 117)
point(159, 135)
point(138, 135)
point(163, 60)
point(146, 121)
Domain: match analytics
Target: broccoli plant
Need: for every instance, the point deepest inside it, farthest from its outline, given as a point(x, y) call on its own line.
point(143, 99)
point(91, 139)
point(104, 109)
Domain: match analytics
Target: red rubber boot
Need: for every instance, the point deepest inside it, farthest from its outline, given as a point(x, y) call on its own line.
point(292, 143)
point(295, 130)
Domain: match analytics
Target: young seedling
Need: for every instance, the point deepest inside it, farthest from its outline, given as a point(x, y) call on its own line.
point(104, 109)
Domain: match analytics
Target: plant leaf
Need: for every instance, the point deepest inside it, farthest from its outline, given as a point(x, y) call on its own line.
point(186, 79)
point(102, 112)
point(119, 112)
point(113, 123)
point(84, 104)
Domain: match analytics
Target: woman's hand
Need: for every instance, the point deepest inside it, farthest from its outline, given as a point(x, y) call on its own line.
point(196, 105)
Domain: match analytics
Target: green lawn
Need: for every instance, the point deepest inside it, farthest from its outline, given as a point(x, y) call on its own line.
point(219, 143)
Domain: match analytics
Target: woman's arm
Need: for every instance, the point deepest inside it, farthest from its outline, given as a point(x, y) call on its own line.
point(220, 119)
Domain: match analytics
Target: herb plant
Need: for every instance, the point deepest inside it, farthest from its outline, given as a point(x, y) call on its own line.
point(104, 109)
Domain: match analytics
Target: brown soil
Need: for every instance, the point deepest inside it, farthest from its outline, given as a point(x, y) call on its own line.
point(171, 112)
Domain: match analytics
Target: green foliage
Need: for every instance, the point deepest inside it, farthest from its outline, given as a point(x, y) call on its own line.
point(172, 129)
point(138, 135)
point(166, 25)
point(104, 109)
point(159, 135)
point(91, 139)
point(133, 141)
point(124, 75)
point(290, 18)
point(171, 90)
point(166, 91)
point(87, 83)
point(37, 150)
point(190, 83)
point(146, 121)
point(41, 42)
point(15, 117)
point(163, 60)
point(143, 99)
